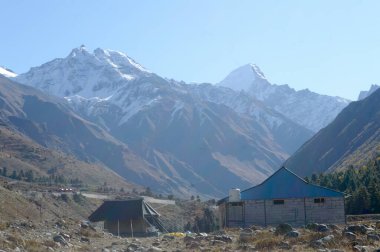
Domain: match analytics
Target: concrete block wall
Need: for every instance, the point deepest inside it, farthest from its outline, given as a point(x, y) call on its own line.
point(331, 211)
point(254, 212)
point(296, 212)
point(292, 212)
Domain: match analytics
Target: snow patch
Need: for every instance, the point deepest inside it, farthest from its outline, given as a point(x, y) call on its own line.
point(7, 73)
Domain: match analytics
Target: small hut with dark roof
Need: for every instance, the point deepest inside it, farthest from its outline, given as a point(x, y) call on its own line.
point(132, 217)
point(284, 197)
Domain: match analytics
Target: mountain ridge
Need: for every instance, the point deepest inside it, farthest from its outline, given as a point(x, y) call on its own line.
point(309, 109)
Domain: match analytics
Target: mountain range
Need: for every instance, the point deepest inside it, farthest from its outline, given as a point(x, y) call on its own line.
point(309, 109)
point(183, 138)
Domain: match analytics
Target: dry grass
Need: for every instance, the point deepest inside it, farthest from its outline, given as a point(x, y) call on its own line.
point(266, 241)
point(268, 244)
point(89, 233)
point(15, 241)
point(34, 246)
point(3, 226)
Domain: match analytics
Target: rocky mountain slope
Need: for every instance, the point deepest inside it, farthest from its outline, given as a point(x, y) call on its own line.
point(41, 133)
point(309, 109)
point(365, 94)
point(188, 133)
point(352, 138)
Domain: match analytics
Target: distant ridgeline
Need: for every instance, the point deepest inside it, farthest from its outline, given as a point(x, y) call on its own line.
point(362, 184)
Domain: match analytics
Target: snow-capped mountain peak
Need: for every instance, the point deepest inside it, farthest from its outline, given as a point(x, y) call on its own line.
point(243, 77)
point(88, 74)
point(7, 73)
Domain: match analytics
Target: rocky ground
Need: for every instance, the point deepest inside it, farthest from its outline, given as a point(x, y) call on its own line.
point(71, 235)
point(34, 219)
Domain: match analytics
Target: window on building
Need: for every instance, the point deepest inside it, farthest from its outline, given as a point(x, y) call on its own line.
point(319, 200)
point(236, 203)
point(278, 202)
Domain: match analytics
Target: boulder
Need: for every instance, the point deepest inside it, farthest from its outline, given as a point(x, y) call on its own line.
point(246, 235)
point(328, 238)
point(317, 244)
point(156, 244)
point(60, 240)
point(84, 224)
point(373, 237)
point(293, 234)
point(66, 236)
point(283, 229)
point(322, 228)
point(318, 227)
point(154, 249)
point(188, 239)
point(321, 242)
point(359, 248)
point(224, 238)
point(349, 235)
point(285, 246)
point(357, 229)
point(217, 243)
point(84, 239)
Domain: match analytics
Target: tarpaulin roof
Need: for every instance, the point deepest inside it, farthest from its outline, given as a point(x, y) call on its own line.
point(285, 184)
point(122, 210)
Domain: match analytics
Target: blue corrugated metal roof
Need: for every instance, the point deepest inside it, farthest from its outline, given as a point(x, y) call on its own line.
point(285, 184)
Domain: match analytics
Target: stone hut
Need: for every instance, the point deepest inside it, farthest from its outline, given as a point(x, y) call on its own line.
point(132, 217)
point(282, 198)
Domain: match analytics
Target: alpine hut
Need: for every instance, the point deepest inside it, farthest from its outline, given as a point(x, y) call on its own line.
point(284, 197)
point(132, 217)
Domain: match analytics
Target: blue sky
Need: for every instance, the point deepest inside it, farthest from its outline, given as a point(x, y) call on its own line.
point(331, 47)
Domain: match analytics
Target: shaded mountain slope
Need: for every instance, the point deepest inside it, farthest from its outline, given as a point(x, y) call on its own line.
point(351, 139)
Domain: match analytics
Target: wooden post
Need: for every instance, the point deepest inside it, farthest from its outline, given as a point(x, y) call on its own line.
point(265, 213)
point(304, 209)
point(118, 228)
point(132, 228)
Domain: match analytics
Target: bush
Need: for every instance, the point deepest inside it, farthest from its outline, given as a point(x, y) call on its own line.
point(78, 198)
point(65, 197)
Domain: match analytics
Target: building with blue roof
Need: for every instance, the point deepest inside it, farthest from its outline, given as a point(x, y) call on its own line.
point(284, 197)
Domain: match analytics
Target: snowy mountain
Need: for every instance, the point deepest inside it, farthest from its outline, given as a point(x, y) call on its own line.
point(189, 133)
point(7, 73)
point(365, 94)
point(309, 109)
